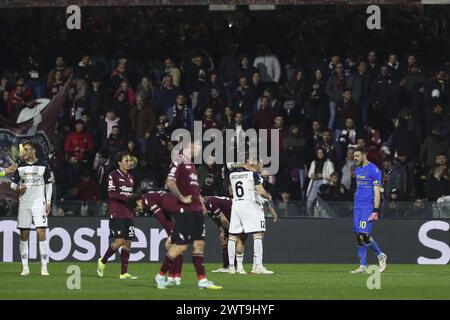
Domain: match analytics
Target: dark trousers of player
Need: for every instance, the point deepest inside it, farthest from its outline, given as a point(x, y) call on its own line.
point(188, 228)
point(120, 229)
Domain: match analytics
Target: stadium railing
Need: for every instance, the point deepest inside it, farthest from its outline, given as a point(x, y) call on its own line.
point(293, 209)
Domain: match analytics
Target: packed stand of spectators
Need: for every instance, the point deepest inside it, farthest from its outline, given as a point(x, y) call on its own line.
point(320, 79)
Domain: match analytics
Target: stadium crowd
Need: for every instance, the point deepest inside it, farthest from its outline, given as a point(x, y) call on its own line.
point(318, 77)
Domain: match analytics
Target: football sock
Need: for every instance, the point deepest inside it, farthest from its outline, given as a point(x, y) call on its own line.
point(374, 246)
point(176, 265)
point(240, 260)
point(231, 251)
point(44, 253)
point(167, 263)
point(179, 265)
point(108, 254)
point(362, 254)
point(24, 253)
point(258, 250)
point(226, 264)
point(254, 262)
point(197, 260)
point(124, 257)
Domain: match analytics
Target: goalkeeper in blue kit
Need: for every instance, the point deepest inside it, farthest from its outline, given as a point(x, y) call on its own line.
point(367, 209)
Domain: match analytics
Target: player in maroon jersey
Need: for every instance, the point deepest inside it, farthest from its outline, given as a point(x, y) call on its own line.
point(121, 219)
point(160, 204)
point(189, 227)
point(219, 210)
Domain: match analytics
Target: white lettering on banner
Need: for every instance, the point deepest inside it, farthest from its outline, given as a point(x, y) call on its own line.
point(8, 228)
point(156, 236)
point(140, 242)
point(103, 233)
point(440, 246)
point(64, 252)
point(85, 244)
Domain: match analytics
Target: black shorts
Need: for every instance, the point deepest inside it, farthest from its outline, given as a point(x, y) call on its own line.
point(188, 227)
point(121, 228)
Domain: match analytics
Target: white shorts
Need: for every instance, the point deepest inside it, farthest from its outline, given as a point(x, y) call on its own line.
point(247, 217)
point(35, 216)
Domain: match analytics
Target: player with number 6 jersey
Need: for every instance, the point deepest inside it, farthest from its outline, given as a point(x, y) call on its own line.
point(247, 213)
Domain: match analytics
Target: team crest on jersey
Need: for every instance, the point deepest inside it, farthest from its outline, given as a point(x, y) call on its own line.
point(193, 176)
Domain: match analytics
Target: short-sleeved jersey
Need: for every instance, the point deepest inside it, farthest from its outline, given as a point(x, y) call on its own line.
point(216, 205)
point(120, 188)
point(183, 171)
point(152, 200)
point(161, 200)
point(34, 176)
point(243, 185)
point(367, 178)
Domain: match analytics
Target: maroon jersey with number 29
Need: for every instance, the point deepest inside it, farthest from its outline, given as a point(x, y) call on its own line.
point(183, 171)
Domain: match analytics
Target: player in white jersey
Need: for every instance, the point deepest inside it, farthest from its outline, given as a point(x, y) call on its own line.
point(247, 213)
point(33, 182)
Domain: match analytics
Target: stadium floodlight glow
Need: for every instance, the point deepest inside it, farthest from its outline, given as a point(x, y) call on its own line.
point(261, 7)
point(222, 7)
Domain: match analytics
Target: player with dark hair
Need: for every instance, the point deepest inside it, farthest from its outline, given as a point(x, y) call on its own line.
point(121, 219)
point(367, 208)
point(219, 210)
point(189, 225)
point(160, 204)
point(33, 182)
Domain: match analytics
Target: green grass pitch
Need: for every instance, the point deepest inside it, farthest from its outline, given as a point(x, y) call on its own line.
point(290, 281)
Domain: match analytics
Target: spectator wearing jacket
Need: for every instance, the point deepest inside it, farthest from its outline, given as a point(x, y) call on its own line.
point(143, 120)
point(395, 176)
point(180, 115)
point(196, 78)
point(61, 66)
point(335, 86)
point(97, 100)
point(437, 185)
point(79, 143)
point(246, 70)
point(268, 65)
point(359, 84)
point(317, 105)
point(319, 173)
point(171, 69)
point(212, 95)
point(346, 108)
